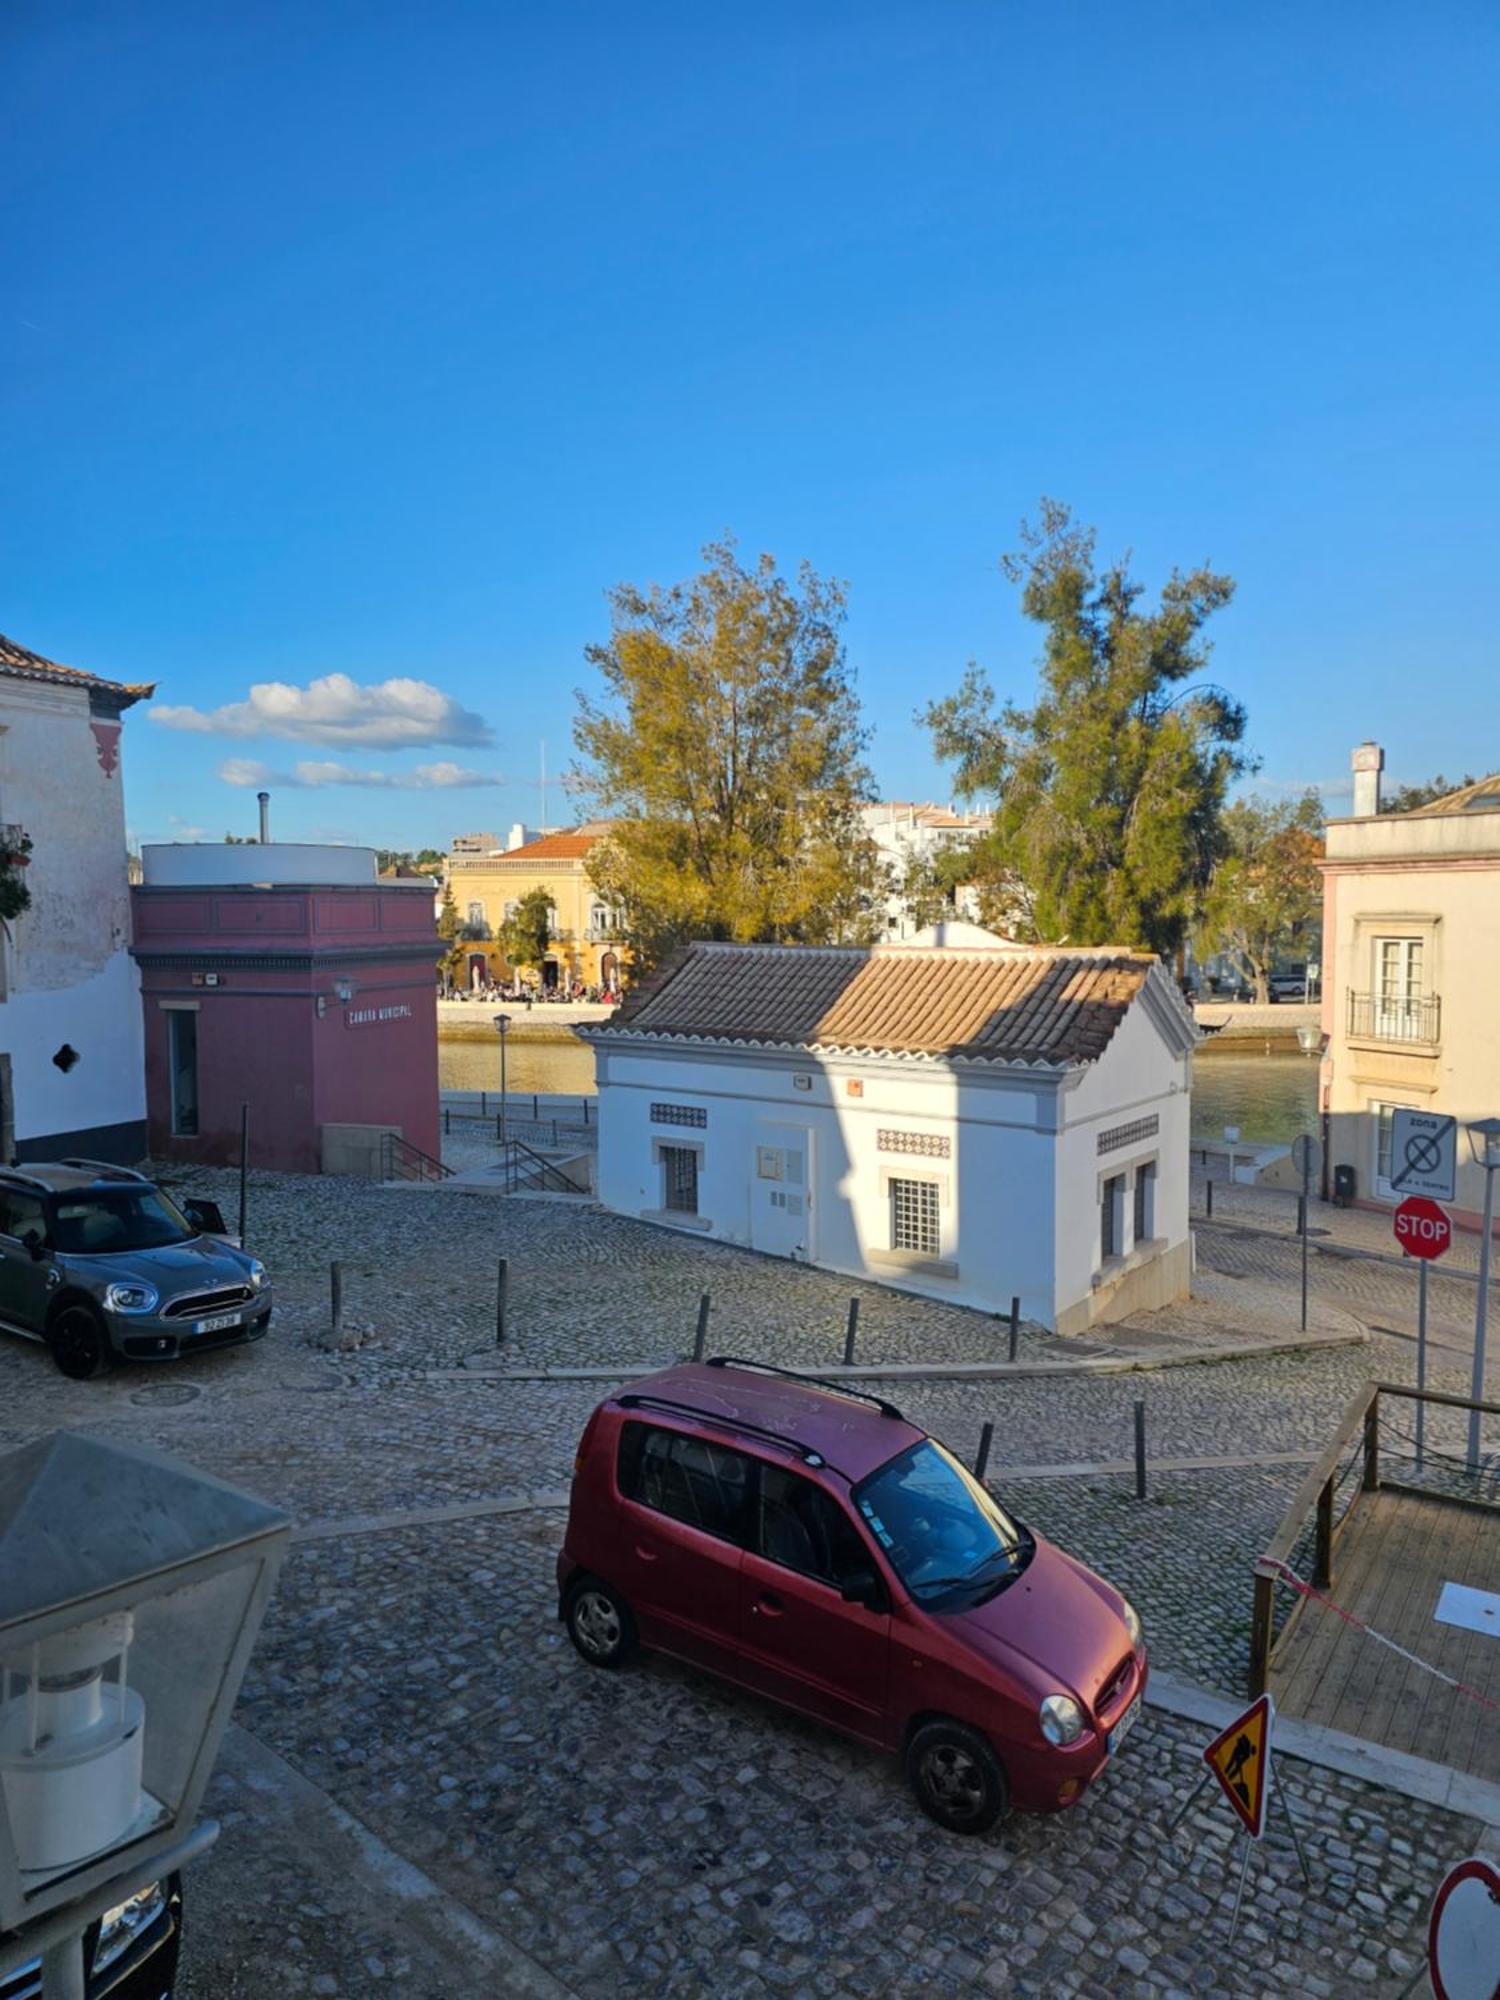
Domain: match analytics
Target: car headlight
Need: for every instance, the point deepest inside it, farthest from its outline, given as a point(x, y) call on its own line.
point(131, 1298)
point(1061, 1719)
point(1132, 1624)
point(120, 1927)
point(257, 1274)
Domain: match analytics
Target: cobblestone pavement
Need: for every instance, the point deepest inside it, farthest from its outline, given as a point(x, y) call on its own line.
point(655, 1831)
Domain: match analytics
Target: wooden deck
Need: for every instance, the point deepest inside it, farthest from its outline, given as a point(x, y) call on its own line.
point(1393, 1558)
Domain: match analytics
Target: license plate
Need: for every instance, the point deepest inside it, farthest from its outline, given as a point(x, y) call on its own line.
point(1123, 1727)
point(217, 1323)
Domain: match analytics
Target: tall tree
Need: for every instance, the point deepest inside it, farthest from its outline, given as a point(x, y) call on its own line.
point(727, 742)
point(1110, 788)
point(1266, 894)
point(527, 931)
point(449, 928)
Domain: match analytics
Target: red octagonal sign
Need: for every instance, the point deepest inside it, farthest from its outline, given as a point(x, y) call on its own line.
point(1422, 1229)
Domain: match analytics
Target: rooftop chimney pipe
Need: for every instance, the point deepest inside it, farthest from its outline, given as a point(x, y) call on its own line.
point(264, 799)
point(1368, 762)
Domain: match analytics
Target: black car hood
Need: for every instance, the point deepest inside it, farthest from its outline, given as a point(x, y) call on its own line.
point(202, 1263)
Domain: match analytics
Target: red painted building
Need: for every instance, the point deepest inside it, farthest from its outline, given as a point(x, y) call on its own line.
point(290, 979)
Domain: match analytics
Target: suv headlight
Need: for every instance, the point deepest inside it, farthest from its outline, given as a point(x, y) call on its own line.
point(257, 1274)
point(131, 1298)
point(1132, 1624)
point(1061, 1719)
point(120, 1927)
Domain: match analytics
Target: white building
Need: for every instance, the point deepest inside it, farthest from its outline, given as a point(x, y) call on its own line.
point(971, 1123)
point(903, 834)
point(71, 1067)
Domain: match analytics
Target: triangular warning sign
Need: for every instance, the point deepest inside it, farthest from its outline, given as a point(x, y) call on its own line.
point(1240, 1758)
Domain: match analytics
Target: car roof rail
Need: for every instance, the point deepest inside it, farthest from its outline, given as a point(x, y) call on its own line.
point(636, 1399)
point(107, 1170)
point(814, 1381)
point(18, 1177)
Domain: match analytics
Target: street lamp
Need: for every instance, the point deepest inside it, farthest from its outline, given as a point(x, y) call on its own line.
point(502, 1022)
point(131, 1592)
point(1484, 1143)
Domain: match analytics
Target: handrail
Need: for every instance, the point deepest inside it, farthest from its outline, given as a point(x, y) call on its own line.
point(519, 1147)
point(396, 1150)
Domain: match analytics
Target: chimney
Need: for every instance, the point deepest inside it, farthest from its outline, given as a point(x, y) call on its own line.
point(264, 801)
point(1368, 762)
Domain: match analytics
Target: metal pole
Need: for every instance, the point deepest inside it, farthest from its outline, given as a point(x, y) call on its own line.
point(62, 1971)
point(982, 1458)
point(502, 1299)
point(1187, 1806)
point(1302, 1226)
point(700, 1338)
point(1209, 1194)
point(1421, 1356)
point(1291, 1819)
point(504, 1128)
point(536, 1116)
point(1140, 1449)
point(850, 1331)
point(244, 1165)
point(336, 1276)
point(1481, 1313)
point(1234, 1922)
point(1015, 1325)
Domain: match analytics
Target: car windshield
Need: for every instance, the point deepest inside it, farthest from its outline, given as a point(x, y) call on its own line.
point(106, 1220)
point(938, 1526)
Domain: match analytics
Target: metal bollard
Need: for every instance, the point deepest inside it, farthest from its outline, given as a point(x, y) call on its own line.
point(700, 1338)
point(850, 1331)
point(1015, 1326)
point(982, 1458)
point(1209, 1191)
point(585, 1114)
point(1140, 1450)
point(336, 1277)
point(502, 1299)
point(536, 1116)
point(445, 1121)
point(499, 1132)
point(484, 1110)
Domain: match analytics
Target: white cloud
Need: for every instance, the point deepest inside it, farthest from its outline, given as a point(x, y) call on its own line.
point(398, 714)
point(313, 774)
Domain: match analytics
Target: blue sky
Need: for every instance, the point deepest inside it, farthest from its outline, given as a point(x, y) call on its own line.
point(377, 342)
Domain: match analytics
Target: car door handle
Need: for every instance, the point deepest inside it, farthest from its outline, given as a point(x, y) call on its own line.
point(647, 1555)
point(769, 1603)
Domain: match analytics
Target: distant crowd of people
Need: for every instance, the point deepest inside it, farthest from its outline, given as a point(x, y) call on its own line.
point(522, 994)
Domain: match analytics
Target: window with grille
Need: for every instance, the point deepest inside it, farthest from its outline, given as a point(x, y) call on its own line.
point(679, 1166)
point(914, 1217)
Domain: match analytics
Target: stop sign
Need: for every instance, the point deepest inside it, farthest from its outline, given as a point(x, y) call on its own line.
point(1422, 1229)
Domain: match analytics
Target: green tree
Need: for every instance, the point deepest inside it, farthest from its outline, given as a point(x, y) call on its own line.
point(449, 929)
point(727, 742)
point(1407, 798)
point(527, 931)
point(1110, 789)
point(1265, 898)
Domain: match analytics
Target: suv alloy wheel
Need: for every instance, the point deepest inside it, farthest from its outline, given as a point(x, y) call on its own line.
point(79, 1343)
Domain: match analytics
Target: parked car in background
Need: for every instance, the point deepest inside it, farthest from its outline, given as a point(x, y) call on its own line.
point(811, 1544)
point(130, 1954)
point(101, 1264)
point(1289, 983)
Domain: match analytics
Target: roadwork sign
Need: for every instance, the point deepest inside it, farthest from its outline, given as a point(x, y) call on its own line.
point(1424, 1153)
point(1240, 1758)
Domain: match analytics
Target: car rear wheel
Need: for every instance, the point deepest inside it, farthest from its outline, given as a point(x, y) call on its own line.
point(599, 1623)
point(79, 1343)
point(958, 1779)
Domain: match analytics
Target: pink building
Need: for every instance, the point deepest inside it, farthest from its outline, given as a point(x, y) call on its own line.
point(291, 979)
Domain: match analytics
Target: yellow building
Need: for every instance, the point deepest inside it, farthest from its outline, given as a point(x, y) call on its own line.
point(586, 946)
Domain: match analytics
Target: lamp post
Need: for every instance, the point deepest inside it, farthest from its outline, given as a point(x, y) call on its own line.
point(502, 1022)
point(1484, 1143)
point(131, 1592)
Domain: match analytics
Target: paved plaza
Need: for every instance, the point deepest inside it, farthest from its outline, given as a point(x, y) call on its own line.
point(429, 1794)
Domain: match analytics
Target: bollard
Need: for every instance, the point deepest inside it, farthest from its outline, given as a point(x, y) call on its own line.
point(502, 1299)
point(700, 1338)
point(1015, 1326)
point(850, 1331)
point(1140, 1450)
point(982, 1460)
point(445, 1121)
point(336, 1277)
point(536, 1116)
point(499, 1129)
point(1209, 1191)
point(585, 1114)
point(484, 1109)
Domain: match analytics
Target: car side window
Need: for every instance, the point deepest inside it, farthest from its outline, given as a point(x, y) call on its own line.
point(803, 1528)
point(705, 1485)
point(21, 1213)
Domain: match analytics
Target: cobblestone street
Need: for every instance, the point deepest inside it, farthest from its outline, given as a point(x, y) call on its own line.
point(658, 1832)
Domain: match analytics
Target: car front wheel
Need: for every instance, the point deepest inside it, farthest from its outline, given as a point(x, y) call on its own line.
point(958, 1779)
point(599, 1623)
point(79, 1343)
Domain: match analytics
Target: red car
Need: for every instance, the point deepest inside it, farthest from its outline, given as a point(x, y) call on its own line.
point(811, 1544)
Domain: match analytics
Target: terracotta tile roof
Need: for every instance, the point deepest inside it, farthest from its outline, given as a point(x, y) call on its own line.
point(19, 663)
point(551, 847)
point(1053, 1007)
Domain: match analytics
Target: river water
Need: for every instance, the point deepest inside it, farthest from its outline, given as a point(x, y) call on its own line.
point(1270, 1098)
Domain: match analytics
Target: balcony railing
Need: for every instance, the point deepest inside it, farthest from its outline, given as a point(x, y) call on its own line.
point(1378, 1017)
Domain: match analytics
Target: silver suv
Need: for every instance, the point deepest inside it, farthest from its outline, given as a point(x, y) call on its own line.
point(100, 1263)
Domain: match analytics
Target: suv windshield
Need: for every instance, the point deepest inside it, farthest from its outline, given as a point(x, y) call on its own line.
point(105, 1220)
point(939, 1527)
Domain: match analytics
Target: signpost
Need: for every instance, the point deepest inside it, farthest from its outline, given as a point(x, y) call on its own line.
point(1307, 1158)
point(1424, 1232)
point(1239, 1760)
point(1424, 1153)
point(1463, 1937)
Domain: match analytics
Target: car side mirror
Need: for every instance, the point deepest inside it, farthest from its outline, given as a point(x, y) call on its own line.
point(36, 1245)
point(205, 1215)
point(863, 1586)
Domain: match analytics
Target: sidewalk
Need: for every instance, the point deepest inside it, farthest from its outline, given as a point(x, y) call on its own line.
point(1362, 1232)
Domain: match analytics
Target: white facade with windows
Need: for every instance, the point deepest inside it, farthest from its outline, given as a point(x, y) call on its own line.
point(1057, 1174)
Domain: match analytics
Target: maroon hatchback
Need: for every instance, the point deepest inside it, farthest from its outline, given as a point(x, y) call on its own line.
point(811, 1544)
